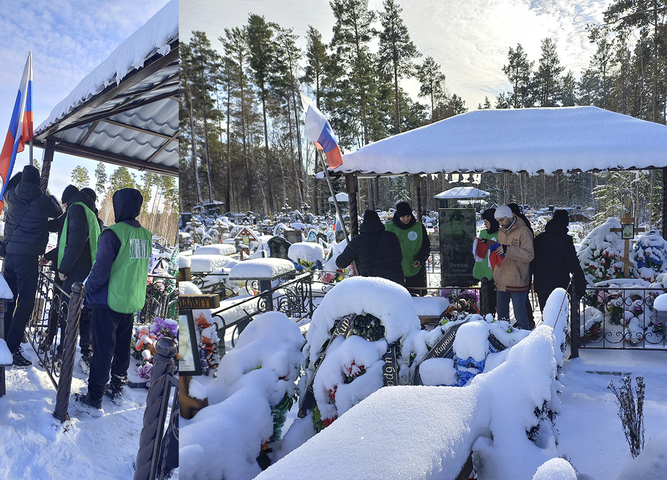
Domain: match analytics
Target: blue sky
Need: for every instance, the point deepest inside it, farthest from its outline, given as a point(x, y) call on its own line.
point(67, 39)
point(469, 39)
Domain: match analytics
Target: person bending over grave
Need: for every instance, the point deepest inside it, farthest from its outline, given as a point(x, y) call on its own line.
point(26, 236)
point(376, 251)
point(555, 259)
point(415, 246)
point(116, 290)
point(514, 252)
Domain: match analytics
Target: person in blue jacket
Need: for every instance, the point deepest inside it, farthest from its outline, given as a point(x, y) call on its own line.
point(115, 291)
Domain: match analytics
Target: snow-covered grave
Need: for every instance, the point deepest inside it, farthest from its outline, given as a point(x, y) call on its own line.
point(215, 249)
point(261, 269)
point(352, 370)
point(306, 255)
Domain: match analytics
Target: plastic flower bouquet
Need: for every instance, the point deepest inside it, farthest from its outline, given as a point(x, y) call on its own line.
point(144, 339)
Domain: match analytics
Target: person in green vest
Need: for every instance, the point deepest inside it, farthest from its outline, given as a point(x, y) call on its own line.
point(77, 246)
point(415, 246)
point(482, 268)
point(116, 290)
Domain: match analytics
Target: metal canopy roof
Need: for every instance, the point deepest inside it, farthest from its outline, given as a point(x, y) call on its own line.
point(133, 123)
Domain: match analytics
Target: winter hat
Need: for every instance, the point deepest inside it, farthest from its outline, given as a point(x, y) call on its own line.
point(30, 175)
point(561, 216)
point(68, 193)
point(371, 215)
point(90, 192)
point(488, 215)
point(402, 209)
point(503, 211)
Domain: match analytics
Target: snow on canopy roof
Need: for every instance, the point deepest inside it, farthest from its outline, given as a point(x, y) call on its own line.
point(125, 111)
point(155, 34)
point(462, 192)
point(531, 140)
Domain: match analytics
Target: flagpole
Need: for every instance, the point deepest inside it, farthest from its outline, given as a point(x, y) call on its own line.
point(333, 195)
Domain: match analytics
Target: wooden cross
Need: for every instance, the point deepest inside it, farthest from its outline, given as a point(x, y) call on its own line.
point(627, 221)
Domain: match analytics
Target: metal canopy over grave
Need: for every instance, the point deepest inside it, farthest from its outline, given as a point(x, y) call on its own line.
point(532, 140)
point(125, 111)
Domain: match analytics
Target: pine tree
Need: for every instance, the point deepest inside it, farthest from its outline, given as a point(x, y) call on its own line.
point(262, 52)
point(316, 59)
point(518, 72)
point(80, 177)
point(100, 179)
point(397, 51)
point(121, 178)
point(432, 82)
point(547, 79)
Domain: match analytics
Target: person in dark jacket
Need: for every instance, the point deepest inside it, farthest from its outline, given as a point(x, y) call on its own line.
point(415, 246)
point(77, 247)
point(116, 290)
point(26, 236)
point(376, 251)
point(555, 259)
point(91, 193)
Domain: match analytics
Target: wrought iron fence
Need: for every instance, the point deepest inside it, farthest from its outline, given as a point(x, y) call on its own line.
point(618, 317)
point(46, 327)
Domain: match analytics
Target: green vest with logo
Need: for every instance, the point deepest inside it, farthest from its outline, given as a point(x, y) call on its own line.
point(129, 271)
point(93, 233)
point(411, 240)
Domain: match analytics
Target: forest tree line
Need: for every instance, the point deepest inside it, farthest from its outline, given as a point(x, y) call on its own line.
point(242, 122)
point(159, 212)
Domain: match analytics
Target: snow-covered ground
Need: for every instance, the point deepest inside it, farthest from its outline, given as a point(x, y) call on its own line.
point(36, 446)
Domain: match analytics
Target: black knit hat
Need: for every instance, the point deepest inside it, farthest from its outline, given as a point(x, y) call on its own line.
point(68, 193)
point(402, 209)
point(30, 175)
point(561, 216)
point(371, 215)
point(90, 192)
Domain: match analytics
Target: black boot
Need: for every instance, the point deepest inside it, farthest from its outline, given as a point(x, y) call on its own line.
point(19, 360)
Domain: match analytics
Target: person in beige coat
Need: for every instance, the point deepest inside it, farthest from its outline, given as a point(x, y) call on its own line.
point(512, 275)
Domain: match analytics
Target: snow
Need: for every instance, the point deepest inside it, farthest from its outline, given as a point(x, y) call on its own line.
point(5, 291)
point(5, 354)
point(660, 303)
point(555, 469)
point(36, 446)
point(430, 306)
point(527, 139)
point(462, 192)
point(154, 36)
point(208, 263)
point(215, 249)
point(306, 251)
point(188, 288)
point(184, 261)
point(263, 268)
point(382, 298)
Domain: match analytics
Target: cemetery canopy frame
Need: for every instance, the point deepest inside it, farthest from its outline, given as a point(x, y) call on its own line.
point(124, 118)
point(532, 140)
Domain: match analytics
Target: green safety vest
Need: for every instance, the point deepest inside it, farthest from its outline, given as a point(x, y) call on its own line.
point(93, 233)
point(129, 271)
point(411, 240)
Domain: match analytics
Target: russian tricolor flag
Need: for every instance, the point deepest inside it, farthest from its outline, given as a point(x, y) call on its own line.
point(20, 127)
point(320, 133)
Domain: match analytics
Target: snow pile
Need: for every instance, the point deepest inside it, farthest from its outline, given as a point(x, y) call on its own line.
point(306, 254)
point(430, 306)
point(188, 288)
point(650, 253)
point(216, 249)
point(253, 378)
point(427, 440)
point(208, 263)
point(261, 268)
point(600, 253)
point(5, 355)
point(660, 303)
point(555, 469)
point(184, 261)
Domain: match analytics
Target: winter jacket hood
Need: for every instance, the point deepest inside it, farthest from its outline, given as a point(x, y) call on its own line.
point(371, 223)
point(127, 204)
